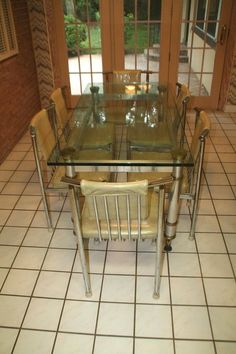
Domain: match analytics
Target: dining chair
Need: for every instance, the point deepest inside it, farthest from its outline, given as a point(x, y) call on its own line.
point(43, 142)
point(118, 211)
point(182, 100)
point(62, 113)
point(191, 180)
point(126, 76)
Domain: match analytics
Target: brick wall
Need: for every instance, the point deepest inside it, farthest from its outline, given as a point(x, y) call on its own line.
point(19, 96)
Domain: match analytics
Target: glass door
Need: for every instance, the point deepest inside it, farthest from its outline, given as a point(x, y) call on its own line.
point(82, 22)
point(142, 29)
point(197, 58)
point(168, 40)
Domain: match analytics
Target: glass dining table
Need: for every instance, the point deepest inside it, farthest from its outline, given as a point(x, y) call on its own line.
point(127, 130)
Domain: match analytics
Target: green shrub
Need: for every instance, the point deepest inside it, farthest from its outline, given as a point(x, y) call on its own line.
point(75, 33)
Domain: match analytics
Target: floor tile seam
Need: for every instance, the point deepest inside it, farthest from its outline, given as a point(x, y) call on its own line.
point(64, 302)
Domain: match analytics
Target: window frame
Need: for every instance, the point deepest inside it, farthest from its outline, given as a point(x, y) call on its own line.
point(203, 32)
point(7, 31)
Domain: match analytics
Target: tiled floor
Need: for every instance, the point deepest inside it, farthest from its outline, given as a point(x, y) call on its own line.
point(42, 304)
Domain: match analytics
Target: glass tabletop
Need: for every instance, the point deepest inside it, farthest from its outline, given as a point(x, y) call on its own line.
point(131, 125)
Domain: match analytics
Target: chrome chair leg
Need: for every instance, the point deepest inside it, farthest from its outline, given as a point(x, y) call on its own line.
point(37, 161)
point(75, 213)
point(159, 244)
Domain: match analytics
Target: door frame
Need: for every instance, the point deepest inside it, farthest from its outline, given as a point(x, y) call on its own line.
point(213, 100)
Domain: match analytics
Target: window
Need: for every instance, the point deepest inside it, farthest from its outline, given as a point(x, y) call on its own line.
point(207, 18)
point(8, 43)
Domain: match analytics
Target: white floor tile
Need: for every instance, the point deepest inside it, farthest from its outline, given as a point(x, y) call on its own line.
point(226, 207)
point(122, 246)
point(52, 284)
point(181, 243)
point(210, 242)
point(7, 340)
point(65, 221)
point(3, 274)
point(223, 321)
point(7, 255)
point(116, 319)
point(26, 202)
point(36, 342)
point(191, 322)
point(153, 346)
point(225, 348)
point(55, 203)
point(43, 314)
point(216, 179)
point(115, 345)
point(63, 239)
point(184, 264)
point(145, 289)
point(120, 263)
point(37, 237)
point(146, 264)
point(39, 219)
point(8, 201)
point(153, 321)
point(29, 258)
point(221, 192)
point(20, 282)
point(76, 289)
point(12, 310)
point(207, 224)
point(20, 218)
point(12, 235)
point(194, 347)
point(5, 175)
point(230, 240)
point(187, 291)
point(215, 265)
point(15, 188)
point(59, 259)
point(73, 343)
point(220, 292)
point(95, 261)
point(233, 261)
point(227, 223)
point(118, 288)
point(79, 317)
point(21, 176)
point(4, 214)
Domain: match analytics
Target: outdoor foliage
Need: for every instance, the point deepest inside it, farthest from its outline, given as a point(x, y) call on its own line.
point(75, 33)
point(78, 12)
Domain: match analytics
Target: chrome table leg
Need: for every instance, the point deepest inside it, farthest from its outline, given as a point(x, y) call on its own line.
point(173, 210)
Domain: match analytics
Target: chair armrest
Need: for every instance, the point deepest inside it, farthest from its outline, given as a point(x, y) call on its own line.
point(71, 181)
point(161, 181)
